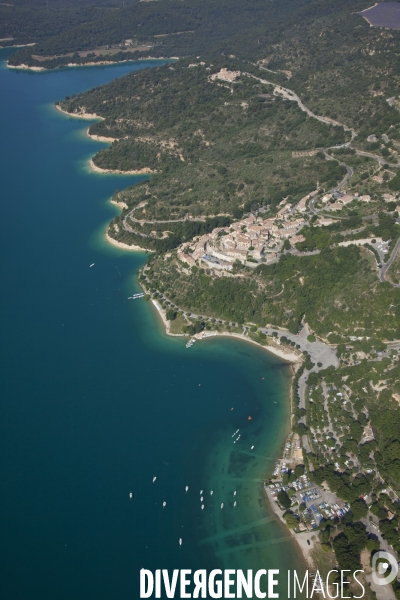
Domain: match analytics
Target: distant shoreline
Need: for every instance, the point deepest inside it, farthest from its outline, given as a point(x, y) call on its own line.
point(369, 8)
point(24, 67)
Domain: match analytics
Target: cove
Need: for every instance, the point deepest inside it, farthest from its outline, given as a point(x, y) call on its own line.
point(97, 400)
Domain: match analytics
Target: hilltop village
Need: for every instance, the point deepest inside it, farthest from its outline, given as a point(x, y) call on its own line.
point(255, 239)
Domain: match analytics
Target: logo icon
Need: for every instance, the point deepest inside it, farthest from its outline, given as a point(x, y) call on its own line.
point(384, 568)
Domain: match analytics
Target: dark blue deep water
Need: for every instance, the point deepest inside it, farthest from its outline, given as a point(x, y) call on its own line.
point(96, 400)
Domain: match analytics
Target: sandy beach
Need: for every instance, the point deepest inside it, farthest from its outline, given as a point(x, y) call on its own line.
point(96, 169)
point(120, 205)
point(123, 246)
point(81, 115)
point(25, 67)
point(100, 138)
point(301, 538)
point(288, 356)
point(164, 320)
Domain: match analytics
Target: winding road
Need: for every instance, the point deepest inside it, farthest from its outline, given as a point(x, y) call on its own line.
point(385, 267)
point(291, 95)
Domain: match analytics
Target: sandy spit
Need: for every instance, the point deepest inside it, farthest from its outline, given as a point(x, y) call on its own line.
point(82, 115)
point(100, 138)
point(97, 169)
point(123, 246)
point(119, 204)
point(163, 318)
point(25, 67)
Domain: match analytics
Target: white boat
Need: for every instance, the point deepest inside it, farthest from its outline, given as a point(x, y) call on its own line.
point(222, 505)
point(186, 488)
point(202, 507)
point(211, 493)
point(201, 498)
point(201, 492)
point(164, 503)
point(234, 504)
point(252, 448)
point(180, 541)
point(234, 493)
point(154, 478)
point(92, 265)
point(130, 494)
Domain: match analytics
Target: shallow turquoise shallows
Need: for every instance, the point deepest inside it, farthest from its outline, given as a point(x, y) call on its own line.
point(97, 401)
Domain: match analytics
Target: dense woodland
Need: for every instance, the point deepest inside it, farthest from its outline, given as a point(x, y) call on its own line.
point(330, 53)
point(218, 147)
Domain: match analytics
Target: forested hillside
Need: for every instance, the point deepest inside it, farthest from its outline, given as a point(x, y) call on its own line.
point(218, 147)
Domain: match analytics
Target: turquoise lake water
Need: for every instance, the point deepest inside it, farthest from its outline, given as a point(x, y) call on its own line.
point(97, 400)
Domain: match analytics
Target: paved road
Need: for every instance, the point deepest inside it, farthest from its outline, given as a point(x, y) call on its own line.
point(382, 592)
point(291, 95)
point(382, 273)
point(380, 160)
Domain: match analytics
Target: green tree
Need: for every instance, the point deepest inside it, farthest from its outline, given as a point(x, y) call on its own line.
point(291, 521)
point(284, 499)
point(372, 545)
point(299, 471)
point(359, 509)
